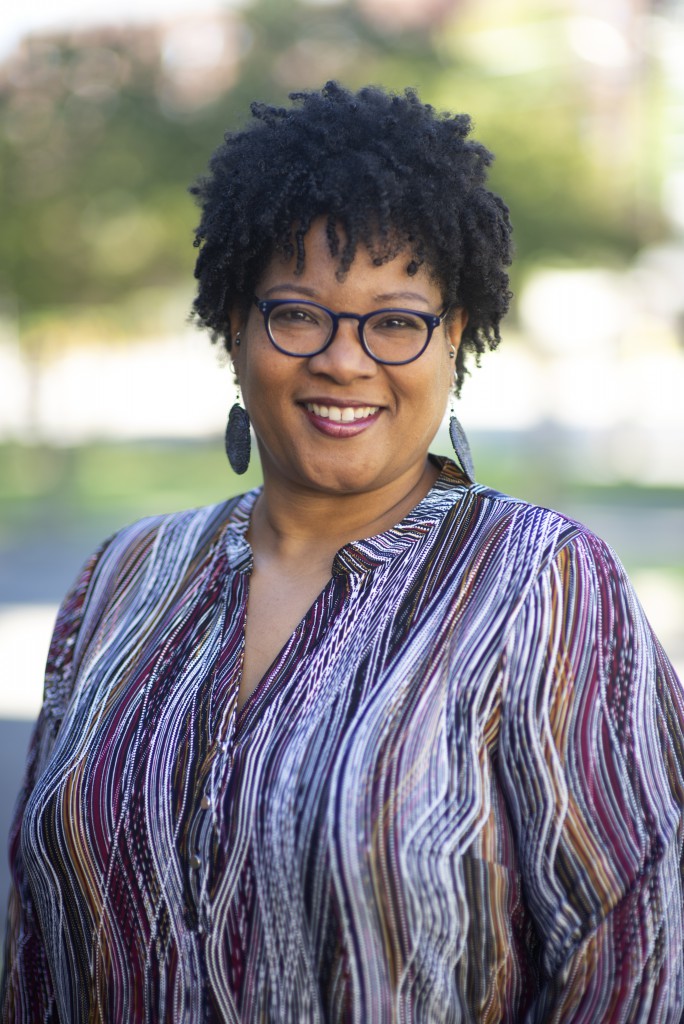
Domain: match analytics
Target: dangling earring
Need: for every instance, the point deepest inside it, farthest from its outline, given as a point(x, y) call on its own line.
point(458, 435)
point(461, 447)
point(238, 439)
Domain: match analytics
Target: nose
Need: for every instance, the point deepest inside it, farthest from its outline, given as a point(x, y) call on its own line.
point(345, 358)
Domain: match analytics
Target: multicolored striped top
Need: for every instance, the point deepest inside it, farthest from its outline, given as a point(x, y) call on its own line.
point(457, 795)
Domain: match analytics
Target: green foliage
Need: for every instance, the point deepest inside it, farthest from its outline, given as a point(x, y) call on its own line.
point(99, 141)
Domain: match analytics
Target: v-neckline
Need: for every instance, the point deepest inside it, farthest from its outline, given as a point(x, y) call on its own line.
point(356, 558)
point(268, 684)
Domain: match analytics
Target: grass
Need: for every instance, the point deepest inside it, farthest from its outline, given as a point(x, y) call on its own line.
point(59, 490)
point(111, 483)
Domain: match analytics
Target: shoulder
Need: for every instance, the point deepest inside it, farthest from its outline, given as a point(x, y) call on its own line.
point(172, 538)
point(491, 562)
point(517, 562)
point(499, 529)
point(193, 526)
point(137, 567)
point(154, 554)
point(566, 588)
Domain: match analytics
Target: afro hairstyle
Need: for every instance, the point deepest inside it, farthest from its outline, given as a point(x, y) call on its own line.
point(386, 171)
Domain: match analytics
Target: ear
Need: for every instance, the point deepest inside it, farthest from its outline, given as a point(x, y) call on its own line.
point(456, 325)
point(236, 340)
point(236, 355)
point(236, 323)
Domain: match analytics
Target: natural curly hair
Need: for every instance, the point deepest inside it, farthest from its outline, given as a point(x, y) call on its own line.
point(389, 171)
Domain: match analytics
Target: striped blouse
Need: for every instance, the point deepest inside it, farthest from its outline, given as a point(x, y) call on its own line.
point(456, 796)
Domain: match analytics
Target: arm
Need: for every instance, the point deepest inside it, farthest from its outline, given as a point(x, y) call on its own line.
point(591, 761)
point(27, 994)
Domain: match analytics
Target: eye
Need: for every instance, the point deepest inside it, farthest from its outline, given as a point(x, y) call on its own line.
point(397, 320)
point(296, 315)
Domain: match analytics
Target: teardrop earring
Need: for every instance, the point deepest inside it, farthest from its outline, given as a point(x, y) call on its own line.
point(460, 441)
point(238, 439)
point(461, 448)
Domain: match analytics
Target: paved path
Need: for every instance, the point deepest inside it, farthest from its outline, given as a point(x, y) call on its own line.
point(14, 738)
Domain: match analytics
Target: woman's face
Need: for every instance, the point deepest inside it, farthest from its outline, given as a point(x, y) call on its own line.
point(302, 443)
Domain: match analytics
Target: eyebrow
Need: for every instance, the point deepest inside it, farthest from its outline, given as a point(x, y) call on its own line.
point(300, 289)
point(393, 296)
point(381, 298)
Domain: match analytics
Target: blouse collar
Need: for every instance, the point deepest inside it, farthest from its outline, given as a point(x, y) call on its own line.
point(359, 557)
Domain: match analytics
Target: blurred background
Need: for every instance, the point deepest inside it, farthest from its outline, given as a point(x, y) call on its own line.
point(112, 406)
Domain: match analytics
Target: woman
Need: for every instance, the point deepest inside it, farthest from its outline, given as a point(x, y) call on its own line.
point(373, 742)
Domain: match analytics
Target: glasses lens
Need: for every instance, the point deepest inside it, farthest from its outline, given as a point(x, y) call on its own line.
point(396, 335)
point(299, 328)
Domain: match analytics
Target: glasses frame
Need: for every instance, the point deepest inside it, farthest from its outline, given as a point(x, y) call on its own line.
point(431, 320)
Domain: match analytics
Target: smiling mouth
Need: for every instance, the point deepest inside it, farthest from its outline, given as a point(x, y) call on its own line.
point(342, 413)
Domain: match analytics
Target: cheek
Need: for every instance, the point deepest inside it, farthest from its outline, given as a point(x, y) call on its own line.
point(266, 383)
point(252, 365)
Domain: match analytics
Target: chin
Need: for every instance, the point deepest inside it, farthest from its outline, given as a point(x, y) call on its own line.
point(348, 478)
point(341, 483)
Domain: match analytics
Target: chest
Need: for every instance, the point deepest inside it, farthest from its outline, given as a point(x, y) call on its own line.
point(355, 713)
point(267, 828)
point(277, 603)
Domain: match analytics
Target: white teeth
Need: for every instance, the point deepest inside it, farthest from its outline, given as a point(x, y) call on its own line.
point(342, 414)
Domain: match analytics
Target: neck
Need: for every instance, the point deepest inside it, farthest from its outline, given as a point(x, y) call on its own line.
point(290, 523)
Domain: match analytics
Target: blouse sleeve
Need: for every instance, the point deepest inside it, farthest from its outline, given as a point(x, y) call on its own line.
point(27, 994)
point(591, 761)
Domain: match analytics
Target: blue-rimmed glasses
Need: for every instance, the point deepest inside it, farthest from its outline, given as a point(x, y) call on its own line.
point(392, 336)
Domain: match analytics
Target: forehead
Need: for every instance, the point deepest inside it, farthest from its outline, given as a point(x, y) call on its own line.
point(321, 257)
